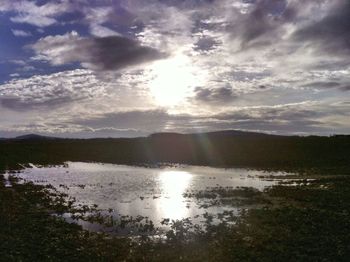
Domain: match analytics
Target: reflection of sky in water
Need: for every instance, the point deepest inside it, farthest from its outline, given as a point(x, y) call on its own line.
point(156, 193)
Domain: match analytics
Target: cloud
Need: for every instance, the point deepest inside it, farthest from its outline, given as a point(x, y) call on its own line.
point(332, 32)
point(146, 120)
point(249, 64)
point(345, 88)
point(241, 118)
point(37, 20)
point(50, 91)
point(299, 118)
point(259, 22)
point(102, 31)
point(329, 85)
point(206, 44)
point(96, 19)
point(216, 95)
point(296, 118)
point(322, 84)
point(31, 13)
point(18, 62)
point(104, 53)
point(112, 53)
point(283, 112)
point(21, 33)
point(265, 17)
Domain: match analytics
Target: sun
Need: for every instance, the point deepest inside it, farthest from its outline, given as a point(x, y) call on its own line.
point(172, 80)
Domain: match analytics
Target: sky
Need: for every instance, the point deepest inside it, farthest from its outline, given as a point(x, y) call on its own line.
point(127, 68)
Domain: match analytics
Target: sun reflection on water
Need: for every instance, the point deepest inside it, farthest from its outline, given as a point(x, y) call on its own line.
point(174, 183)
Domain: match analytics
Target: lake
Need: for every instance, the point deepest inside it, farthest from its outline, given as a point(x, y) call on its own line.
point(153, 194)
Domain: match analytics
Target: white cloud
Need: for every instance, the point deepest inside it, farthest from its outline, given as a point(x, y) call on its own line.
point(51, 90)
point(31, 13)
point(102, 31)
point(32, 19)
point(59, 49)
point(21, 33)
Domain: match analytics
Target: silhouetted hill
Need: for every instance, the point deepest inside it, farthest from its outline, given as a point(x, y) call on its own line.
point(236, 133)
point(223, 148)
point(34, 137)
point(225, 133)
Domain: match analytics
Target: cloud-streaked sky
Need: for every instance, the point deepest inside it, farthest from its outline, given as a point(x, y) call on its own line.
point(112, 68)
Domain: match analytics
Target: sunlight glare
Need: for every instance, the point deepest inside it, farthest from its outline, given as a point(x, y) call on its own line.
point(174, 184)
point(172, 80)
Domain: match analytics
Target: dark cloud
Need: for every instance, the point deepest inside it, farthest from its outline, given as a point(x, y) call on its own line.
point(219, 95)
point(345, 88)
point(286, 119)
point(248, 76)
point(104, 53)
point(323, 84)
point(265, 17)
point(206, 44)
point(284, 113)
point(330, 65)
point(274, 126)
point(116, 52)
point(283, 120)
point(340, 86)
point(186, 3)
point(332, 33)
point(18, 104)
point(145, 120)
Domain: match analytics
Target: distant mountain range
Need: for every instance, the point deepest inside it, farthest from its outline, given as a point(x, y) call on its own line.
point(225, 133)
point(223, 148)
point(34, 137)
point(162, 135)
point(170, 136)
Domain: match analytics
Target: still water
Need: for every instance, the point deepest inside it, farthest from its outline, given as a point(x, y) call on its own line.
point(155, 193)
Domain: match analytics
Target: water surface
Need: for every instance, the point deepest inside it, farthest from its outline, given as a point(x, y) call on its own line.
point(155, 193)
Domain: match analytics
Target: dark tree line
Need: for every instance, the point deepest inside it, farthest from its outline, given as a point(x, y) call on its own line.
point(226, 149)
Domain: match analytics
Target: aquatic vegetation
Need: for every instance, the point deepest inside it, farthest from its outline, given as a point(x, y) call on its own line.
point(304, 219)
point(29, 231)
point(235, 197)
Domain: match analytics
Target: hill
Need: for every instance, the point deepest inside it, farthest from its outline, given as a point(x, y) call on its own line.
point(34, 137)
point(223, 148)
